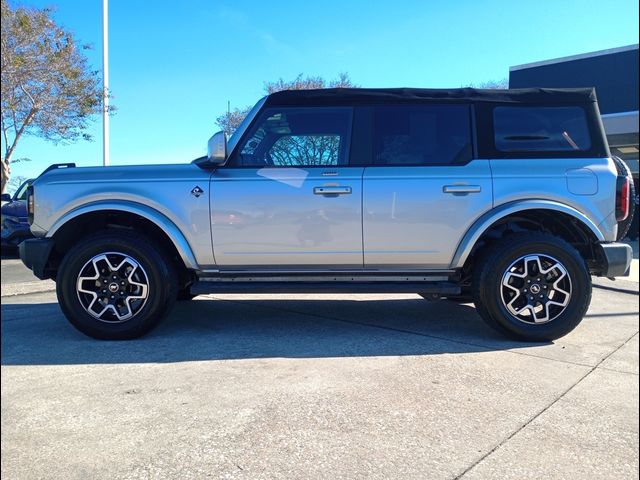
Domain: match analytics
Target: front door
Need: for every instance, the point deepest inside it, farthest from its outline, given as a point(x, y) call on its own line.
point(287, 198)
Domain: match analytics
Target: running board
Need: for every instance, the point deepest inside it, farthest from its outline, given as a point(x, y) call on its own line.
point(433, 288)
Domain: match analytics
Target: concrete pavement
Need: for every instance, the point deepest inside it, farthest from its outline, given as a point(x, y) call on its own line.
point(302, 386)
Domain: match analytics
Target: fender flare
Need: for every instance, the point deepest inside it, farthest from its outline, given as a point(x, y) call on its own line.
point(485, 222)
point(160, 220)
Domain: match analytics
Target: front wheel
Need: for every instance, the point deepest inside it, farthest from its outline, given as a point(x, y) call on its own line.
point(115, 285)
point(532, 286)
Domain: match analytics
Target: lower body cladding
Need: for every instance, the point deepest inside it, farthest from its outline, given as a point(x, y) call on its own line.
point(328, 283)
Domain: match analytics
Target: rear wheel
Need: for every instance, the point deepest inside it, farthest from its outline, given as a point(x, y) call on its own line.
point(532, 286)
point(115, 285)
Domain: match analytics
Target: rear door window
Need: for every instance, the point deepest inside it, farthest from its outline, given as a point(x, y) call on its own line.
point(422, 135)
point(541, 129)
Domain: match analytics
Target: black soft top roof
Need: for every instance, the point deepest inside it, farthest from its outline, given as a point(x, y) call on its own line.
point(364, 96)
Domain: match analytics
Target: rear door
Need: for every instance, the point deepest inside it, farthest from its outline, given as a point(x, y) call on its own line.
point(424, 188)
point(288, 199)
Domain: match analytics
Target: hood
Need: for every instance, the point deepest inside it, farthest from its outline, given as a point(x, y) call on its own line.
point(120, 174)
point(15, 209)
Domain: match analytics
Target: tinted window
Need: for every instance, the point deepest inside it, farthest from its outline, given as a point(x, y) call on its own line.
point(297, 137)
point(542, 129)
point(422, 135)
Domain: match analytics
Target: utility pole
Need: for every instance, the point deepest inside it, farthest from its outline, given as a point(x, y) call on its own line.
point(105, 82)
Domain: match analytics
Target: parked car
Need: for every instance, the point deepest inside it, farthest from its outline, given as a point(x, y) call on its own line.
point(509, 199)
point(14, 222)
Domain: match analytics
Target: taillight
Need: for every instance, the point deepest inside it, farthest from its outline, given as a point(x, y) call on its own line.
point(622, 198)
point(30, 204)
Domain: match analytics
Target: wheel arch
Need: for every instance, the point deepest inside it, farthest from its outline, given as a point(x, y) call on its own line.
point(94, 216)
point(548, 210)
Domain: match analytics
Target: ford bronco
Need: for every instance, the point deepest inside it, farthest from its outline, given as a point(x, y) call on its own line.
point(508, 199)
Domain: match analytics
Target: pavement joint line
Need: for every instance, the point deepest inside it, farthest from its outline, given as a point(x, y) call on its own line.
point(615, 289)
point(410, 332)
point(619, 371)
point(537, 415)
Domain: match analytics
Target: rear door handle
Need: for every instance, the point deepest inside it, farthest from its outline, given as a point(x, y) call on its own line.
point(332, 190)
point(461, 189)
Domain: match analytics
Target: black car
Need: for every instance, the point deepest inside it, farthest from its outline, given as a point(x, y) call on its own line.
point(15, 224)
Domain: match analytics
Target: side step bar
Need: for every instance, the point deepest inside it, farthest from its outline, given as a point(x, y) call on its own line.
point(436, 288)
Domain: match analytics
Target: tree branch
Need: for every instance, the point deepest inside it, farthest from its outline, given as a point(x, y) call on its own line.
point(19, 133)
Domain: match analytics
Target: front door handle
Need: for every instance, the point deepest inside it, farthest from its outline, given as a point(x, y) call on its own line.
point(330, 191)
point(461, 189)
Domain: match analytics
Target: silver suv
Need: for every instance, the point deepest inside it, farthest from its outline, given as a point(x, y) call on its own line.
point(508, 199)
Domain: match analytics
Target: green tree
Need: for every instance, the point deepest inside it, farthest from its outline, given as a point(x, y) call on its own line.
point(48, 89)
point(230, 120)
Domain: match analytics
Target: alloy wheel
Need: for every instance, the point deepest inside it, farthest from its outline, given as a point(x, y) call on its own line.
point(112, 287)
point(536, 289)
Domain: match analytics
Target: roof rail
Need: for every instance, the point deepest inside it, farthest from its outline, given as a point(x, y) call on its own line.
point(55, 166)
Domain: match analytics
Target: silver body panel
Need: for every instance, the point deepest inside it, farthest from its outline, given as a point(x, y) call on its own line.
point(391, 219)
point(414, 217)
point(289, 217)
point(161, 193)
point(587, 185)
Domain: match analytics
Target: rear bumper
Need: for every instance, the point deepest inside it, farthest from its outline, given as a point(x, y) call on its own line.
point(35, 253)
point(616, 259)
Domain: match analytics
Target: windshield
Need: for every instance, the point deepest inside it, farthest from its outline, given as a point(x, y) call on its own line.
point(21, 193)
point(235, 138)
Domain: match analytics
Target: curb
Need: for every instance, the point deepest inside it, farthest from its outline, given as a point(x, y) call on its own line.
point(26, 288)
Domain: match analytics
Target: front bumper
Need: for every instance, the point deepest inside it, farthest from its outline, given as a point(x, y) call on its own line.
point(35, 253)
point(616, 259)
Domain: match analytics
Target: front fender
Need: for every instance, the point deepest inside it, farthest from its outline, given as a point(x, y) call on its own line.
point(488, 219)
point(166, 225)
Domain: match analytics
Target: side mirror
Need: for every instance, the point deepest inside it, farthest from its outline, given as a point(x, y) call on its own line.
point(6, 197)
point(217, 149)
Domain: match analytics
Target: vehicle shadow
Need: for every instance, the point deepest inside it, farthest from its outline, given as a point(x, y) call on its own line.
point(38, 334)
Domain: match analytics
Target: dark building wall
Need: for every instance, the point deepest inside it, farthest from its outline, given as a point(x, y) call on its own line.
point(614, 75)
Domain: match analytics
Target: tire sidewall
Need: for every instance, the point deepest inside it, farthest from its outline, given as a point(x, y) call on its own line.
point(158, 275)
point(491, 285)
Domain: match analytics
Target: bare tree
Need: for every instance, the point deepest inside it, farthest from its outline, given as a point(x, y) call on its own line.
point(229, 121)
point(48, 89)
point(15, 182)
point(502, 84)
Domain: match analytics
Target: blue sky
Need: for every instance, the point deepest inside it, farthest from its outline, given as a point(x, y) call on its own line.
point(174, 65)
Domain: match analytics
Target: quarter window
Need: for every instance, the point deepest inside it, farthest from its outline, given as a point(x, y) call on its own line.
point(422, 135)
point(297, 137)
point(541, 129)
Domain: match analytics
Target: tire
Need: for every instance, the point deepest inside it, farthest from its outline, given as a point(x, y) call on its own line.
point(633, 228)
point(140, 285)
point(625, 225)
point(502, 307)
